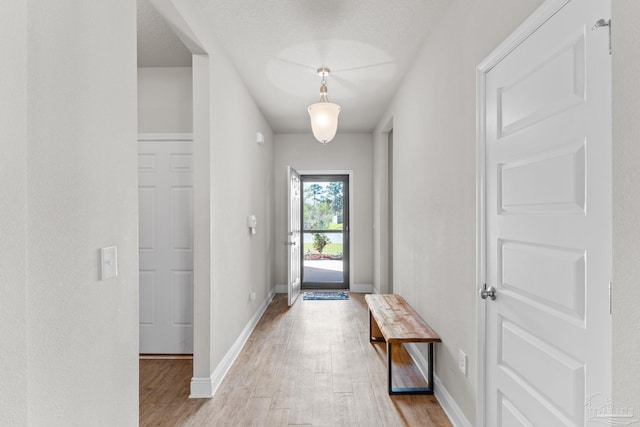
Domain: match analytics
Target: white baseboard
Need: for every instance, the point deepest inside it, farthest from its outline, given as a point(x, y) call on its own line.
point(357, 288)
point(361, 288)
point(201, 388)
point(206, 387)
point(448, 404)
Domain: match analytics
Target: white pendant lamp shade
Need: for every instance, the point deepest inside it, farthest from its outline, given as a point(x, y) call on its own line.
point(324, 114)
point(324, 120)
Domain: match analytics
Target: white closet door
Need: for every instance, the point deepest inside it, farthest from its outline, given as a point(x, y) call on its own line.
point(548, 224)
point(165, 170)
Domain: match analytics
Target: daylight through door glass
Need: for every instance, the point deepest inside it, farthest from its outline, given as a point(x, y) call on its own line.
point(323, 231)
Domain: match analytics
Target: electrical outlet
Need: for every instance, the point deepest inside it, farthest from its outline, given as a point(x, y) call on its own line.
point(252, 296)
point(462, 362)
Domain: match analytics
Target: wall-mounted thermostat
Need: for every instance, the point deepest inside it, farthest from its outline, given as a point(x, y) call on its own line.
point(252, 222)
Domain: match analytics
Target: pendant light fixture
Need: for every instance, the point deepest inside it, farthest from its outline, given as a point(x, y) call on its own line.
point(324, 114)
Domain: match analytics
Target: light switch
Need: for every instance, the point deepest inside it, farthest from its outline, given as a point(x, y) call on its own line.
point(109, 262)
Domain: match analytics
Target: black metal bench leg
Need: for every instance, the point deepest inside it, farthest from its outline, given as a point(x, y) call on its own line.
point(430, 369)
point(410, 390)
point(390, 366)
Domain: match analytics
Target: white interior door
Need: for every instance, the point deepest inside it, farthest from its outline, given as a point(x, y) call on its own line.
point(547, 248)
point(294, 240)
point(165, 186)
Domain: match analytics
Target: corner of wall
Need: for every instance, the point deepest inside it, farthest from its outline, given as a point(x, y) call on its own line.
point(448, 403)
point(206, 387)
point(626, 203)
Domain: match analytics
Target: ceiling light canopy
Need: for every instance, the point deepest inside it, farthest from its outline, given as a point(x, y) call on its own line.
point(324, 114)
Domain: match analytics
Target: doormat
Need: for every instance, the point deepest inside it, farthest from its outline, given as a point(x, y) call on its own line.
point(325, 296)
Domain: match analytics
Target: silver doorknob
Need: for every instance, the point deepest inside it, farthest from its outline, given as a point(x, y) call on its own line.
point(488, 292)
point(289, 243)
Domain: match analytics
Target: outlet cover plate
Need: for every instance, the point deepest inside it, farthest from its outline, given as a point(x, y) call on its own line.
point(462, 362)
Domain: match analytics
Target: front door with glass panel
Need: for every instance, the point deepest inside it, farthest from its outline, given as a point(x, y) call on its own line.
point(325, 228)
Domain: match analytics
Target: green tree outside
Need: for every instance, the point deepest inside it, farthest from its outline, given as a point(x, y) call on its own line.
point(320, 240)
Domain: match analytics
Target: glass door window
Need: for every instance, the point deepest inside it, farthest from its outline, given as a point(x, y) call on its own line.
point(325, 231)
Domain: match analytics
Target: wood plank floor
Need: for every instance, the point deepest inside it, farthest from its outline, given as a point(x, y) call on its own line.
point(309, 365)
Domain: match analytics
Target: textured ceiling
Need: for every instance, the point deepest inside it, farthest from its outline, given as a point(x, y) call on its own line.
point(277, 45)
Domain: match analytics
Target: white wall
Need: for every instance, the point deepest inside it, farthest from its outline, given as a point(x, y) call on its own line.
point(165, 100)
point(202, 367)
point(69, 157)
point(434, 127)
point(13, 208)
point(241, 185)
point(229, 263)
point(82, 195)
point(346, 152)
point(626, 203)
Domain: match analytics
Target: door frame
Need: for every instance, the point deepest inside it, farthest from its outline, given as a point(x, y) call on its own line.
point(526, 29)
point(350, 211)
point(346, 272)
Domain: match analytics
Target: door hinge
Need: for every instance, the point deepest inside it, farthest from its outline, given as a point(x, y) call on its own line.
point(604, 23)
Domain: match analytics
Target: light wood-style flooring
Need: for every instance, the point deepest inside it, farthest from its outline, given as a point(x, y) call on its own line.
point(308, 365)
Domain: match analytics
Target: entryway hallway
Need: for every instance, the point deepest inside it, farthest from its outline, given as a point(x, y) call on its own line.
point(311, 364)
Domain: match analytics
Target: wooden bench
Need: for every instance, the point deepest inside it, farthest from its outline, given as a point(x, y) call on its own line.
point(393, 321)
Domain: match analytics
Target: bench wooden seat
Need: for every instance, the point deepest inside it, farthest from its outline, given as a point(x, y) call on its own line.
point(392, 320)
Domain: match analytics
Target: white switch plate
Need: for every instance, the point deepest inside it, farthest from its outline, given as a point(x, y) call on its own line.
point(462, 362)
point(109, 262)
